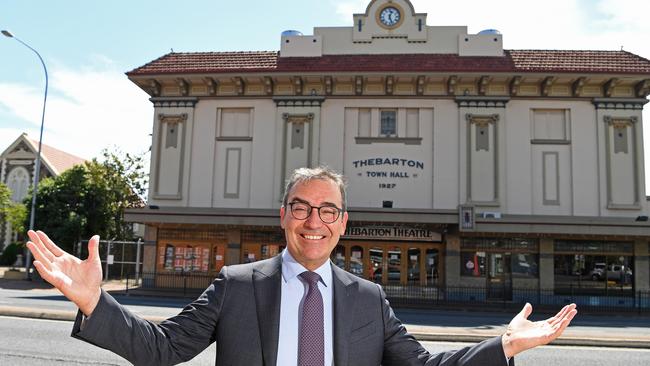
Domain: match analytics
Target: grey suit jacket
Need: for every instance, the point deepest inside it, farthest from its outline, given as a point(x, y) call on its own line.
point(240, 310)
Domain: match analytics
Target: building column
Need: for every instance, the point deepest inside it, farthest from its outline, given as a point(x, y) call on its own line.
point(546, 266)
point(233, 237)
point(641, 268)
point(452, 261)
point(3, 171)
point(149, 254)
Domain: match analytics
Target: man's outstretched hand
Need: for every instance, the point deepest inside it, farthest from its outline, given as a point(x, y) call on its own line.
point(522, 334)
point(78, 280)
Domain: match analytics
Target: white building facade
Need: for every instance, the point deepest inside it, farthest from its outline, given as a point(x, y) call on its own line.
point(469, 166)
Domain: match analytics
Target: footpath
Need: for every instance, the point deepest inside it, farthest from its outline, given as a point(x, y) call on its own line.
point(603, 330)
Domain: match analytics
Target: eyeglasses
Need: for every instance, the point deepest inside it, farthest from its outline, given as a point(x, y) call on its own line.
point(301, 211)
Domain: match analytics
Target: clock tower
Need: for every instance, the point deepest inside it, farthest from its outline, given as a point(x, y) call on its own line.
point(390, 19)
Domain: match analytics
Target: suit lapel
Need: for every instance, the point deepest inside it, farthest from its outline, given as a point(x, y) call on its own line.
point(266, 282)
point(345, 290)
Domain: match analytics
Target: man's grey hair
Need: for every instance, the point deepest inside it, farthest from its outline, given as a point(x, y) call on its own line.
point(302, 175)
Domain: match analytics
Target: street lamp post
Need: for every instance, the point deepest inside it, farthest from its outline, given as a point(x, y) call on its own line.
point(37, 171)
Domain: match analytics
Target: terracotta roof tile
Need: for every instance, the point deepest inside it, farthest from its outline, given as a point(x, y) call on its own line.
point(60, 160)
point(513, 61)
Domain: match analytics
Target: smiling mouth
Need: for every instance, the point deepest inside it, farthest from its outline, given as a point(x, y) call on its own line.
point(312, 237)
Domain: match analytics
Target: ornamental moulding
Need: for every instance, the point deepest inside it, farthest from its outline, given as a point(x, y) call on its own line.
point(172, 118)
point(298, 118)
point(482, 102)
point(610, 103)
point(307, 101)
point(171, 102)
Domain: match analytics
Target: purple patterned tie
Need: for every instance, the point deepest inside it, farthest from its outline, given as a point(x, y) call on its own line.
point(311, 343)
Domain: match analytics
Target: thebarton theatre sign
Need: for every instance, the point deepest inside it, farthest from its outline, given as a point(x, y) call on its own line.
point(391, 233)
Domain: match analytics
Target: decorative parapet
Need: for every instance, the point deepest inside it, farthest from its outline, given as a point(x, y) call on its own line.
point(482, 102)
point(306, 101)
point(174, 102)
point(616, 103)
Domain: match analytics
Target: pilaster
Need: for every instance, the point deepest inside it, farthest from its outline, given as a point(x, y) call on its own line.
point(641, 267)
point(546, 269)
point(452, 261)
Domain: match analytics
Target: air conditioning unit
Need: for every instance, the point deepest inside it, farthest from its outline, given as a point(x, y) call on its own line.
point(491, 215)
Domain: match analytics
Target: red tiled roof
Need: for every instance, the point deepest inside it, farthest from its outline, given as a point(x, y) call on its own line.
point(60, 160)
point(618, 62)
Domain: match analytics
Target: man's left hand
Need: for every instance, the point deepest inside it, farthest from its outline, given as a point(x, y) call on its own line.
point(522, 334)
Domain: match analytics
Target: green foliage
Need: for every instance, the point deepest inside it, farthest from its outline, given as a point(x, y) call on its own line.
point(5, 198)
point(90, 199)
point(8, 256)
point(16, 215)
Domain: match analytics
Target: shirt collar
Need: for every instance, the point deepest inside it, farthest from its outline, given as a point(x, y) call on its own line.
point(291, 269)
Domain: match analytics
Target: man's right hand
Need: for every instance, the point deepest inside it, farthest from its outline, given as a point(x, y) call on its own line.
point(80, 281)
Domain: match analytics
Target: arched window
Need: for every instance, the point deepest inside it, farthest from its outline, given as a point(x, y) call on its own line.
point(18, 183)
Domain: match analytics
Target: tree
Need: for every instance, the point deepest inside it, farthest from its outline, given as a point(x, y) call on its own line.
point(16, 216)
point(5, 198)
point(90, 199)
point(15, 213)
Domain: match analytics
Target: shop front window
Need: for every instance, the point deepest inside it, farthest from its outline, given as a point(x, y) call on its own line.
point(269, 250)
point(338, 256)
point(219, 256)
point(394, 264)
point(525, 265)
point(473, 264)
point(432, 263)
point(376, 263)
point(594, 268)
point(413, 275)
point(518, 257)
point(184, 258)
point(249, 256)
point(356, 261)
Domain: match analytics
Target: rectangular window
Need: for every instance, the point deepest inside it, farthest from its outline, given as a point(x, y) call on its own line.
point(550, 125)
point(235, 122)
point(594, 268)
point(521, 256)
point(388, 123)
point(473, 264)
point(412, 123)
point(364, 122)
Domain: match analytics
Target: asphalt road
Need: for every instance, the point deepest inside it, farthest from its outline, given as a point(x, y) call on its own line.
point(32, 342)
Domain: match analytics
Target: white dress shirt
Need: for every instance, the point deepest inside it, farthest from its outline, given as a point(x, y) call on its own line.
point(293, 295)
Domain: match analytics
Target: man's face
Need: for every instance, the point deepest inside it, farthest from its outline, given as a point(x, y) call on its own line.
point(311, 241)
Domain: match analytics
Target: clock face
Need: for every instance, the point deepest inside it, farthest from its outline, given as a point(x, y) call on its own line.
point(389, 16)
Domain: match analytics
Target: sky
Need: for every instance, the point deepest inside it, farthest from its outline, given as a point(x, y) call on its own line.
point(87, 47)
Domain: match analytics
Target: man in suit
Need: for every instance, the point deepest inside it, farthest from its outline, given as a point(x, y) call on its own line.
point(294, 309)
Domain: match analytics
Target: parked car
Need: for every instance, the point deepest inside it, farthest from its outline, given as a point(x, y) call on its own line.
point(614, 272)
